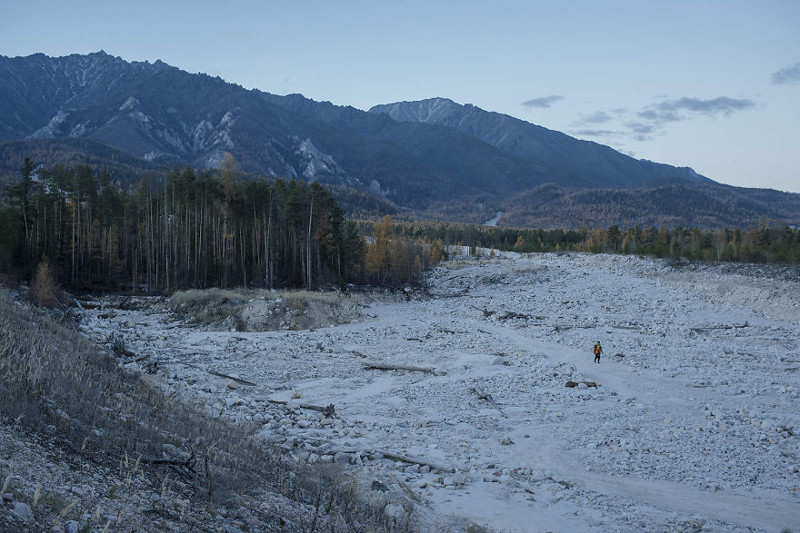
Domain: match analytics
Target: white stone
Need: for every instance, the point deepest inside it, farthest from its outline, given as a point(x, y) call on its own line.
point(394, 511)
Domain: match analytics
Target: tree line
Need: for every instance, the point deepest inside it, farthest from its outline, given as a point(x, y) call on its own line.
point(760, 244)
point(187, 229)
point(193, 229)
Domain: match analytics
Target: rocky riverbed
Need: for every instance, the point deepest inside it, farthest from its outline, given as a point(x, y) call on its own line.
point(693, 423)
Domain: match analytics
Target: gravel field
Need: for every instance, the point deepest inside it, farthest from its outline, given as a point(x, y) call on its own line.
point(689, 423)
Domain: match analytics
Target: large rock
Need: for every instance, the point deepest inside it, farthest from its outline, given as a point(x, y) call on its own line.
point(394, 511)
point(23, 512)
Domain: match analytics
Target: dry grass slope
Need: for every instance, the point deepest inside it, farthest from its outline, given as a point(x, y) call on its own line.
point(58, 391)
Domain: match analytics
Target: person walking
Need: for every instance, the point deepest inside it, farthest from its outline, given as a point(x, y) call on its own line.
point(597, 350)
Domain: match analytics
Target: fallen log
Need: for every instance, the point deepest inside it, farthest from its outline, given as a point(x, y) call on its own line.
point(415, 461)
point(232, 378)
point(327, 410)
point(382, 366)
point(187, 463)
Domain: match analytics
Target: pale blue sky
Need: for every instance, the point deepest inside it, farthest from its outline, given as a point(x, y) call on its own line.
point(714, 85)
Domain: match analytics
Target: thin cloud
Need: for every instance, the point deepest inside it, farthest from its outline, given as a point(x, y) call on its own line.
point(642, 131)
point(596, 133)
point(543, 102)
point(674, 110)
point(651, 121)
point(654, 118)
point(787, 75)
point(589, 125)
point(598, 117)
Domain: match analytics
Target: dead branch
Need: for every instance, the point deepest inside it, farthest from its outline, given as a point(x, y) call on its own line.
point(186, 463)
point(710, 328)
point(415, 461)
point(237, 380)
point(327, 410)
point(78, 304)
point(483, 395)
point(381, 366)
point(174, 462)
point(508, 315)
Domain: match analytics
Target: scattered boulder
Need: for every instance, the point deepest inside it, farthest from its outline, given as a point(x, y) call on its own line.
point(342, 457)
point(23, 512)
point(394, 511)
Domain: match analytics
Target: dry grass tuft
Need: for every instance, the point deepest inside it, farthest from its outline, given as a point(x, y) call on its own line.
point(44, 286)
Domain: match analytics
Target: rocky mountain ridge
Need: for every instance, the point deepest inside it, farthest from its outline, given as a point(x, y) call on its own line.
point(434, 158)
point(601, 165)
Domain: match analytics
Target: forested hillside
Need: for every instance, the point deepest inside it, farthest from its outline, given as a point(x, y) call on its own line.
point(69, 152)
point(708, 205)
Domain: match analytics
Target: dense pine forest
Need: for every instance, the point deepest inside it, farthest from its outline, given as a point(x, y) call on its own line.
point(190, 229)
point(197, 229)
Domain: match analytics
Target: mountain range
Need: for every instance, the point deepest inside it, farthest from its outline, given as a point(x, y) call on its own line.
point(433, 158)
